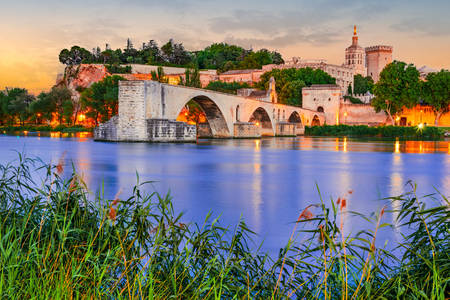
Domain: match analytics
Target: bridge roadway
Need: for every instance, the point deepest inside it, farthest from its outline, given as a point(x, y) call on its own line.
point(141, 101)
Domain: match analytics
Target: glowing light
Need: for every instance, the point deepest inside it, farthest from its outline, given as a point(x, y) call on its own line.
point(345, 144)
point(38, 114)
point(397, 146)
point(81, 117)
point(345, 114)
point(420, 125)
point(257, 123)
point(397, 118)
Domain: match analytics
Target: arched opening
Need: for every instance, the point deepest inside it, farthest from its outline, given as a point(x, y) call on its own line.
point(204, 113)
point(315, 121)
point(295, 118)
point(320, 109)
point(261, 118)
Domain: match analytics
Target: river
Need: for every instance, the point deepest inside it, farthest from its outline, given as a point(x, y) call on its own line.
point(267, 182)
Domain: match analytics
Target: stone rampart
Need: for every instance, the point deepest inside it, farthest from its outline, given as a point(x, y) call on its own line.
point(360, 114)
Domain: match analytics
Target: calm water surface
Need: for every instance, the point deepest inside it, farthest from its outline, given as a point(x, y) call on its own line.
point(267, 182)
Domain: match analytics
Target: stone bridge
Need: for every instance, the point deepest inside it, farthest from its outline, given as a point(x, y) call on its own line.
point(148, 111)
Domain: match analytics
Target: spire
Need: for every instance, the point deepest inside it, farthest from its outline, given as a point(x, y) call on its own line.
point(355, 37)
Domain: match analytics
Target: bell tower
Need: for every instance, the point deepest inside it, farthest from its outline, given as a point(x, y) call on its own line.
point(355, 56)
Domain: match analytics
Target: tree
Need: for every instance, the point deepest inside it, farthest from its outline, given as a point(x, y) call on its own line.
point(349, 90)
point(18, 104)
point(291, 93)
point(398, 87)
point(42, 108)
point(101, 99)
point(436, 93)
point(60, 96)
point(192, 78)
point(226, 87)
point(75, 56)
point(362, 85)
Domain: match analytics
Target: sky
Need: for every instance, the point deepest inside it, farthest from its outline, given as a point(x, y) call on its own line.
point(33, 32)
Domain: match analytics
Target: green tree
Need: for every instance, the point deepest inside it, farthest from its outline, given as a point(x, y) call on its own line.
point(192, 78)
point(4, 111)
point(101, 99)
point(349, 90)
point(398, 87)
point(18, 104)
point(75, 56)
point(436, 92)
point(60, 96)
point(291, 93)
point(226, 87)
point(306, 75)
point(42, 108)
point(362, 85)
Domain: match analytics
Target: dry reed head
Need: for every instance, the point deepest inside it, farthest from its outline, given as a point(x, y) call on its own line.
point(306, 214)
point(342, 202)
point(116, 198)
point(112, 214)
point(60, 165)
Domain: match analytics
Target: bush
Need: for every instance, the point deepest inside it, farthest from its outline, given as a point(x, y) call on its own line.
point(432, 133)
point(226, 87)
point(118, 69)
point(353, 100)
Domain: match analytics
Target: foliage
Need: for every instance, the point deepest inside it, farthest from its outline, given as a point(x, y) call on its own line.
point(101, 99)
point(159, 75)
point(362, 85)
point(221, 56)
point(398, 87)
point(14, 105)
point(118, 69)
point(226, 87)
point(75, 56)
point(430, 133)
point(56, 243)
point(436, 92)
point(45, 128)
point(192, 78)
point(295, 78)
point(291, 93)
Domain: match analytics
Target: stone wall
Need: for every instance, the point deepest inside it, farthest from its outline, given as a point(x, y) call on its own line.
point(162, 130)
point(107, 131)
point(286, 129)
point(132, 102)
point(360, 114)
point(325, 98)
point(246, 130)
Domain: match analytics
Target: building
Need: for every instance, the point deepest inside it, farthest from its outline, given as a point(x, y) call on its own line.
point(355, 56)
point(343, 74)
point(377, 57)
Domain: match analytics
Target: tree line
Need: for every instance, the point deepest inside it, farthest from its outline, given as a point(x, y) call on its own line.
point(400, 87)
point(219, 56)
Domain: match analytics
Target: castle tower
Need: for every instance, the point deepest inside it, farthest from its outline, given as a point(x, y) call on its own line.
point(355, 57)
point(377, 58)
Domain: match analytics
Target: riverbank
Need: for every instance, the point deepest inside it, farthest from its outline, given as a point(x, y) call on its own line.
point(425, 133)
point(46, 128)
point(55, 243)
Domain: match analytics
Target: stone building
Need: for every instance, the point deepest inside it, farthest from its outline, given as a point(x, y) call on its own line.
point(327, 98)
point(343, 74)
point(355, 56)
point(324, 98)
point(377, 57)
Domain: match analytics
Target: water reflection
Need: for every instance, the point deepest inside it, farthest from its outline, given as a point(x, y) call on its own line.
point(267, 181)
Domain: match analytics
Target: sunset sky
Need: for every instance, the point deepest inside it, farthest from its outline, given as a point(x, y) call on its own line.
point(34, 31)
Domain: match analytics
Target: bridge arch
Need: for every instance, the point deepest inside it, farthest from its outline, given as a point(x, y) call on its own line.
point(215, 118)
point(315, 121)
point(262, 119)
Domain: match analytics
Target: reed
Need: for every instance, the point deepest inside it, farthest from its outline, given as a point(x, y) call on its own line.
point(57, 243)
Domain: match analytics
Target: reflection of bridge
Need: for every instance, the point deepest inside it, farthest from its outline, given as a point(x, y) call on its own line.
point(148, 110)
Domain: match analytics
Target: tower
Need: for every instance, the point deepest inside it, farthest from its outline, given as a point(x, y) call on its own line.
point(355, 56)
point(377, 58)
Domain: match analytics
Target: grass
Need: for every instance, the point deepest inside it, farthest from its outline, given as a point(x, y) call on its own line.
point(56, 244)
point(46, 128)
point(428, 132)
